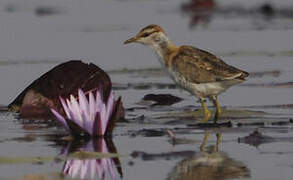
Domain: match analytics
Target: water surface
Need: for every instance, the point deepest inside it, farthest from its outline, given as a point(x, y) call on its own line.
point(94, 31)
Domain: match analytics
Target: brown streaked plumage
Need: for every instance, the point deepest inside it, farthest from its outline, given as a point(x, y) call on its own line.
point(197, 71)
point(199, 66)
point(153, 27)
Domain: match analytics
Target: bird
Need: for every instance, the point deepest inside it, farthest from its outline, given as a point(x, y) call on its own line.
point(197, 71)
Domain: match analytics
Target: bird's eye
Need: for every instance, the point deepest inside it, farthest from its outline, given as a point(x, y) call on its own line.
point(145, 34)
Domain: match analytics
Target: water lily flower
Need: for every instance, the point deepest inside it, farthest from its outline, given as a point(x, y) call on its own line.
point(88, 116)
point(103, 168)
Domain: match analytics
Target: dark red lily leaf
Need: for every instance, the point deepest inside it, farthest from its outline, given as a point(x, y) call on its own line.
point(118, 113)
point(162, 99)
point(36, 100)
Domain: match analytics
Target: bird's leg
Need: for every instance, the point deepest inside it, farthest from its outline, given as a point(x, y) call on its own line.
point(207, 113)
point(204, 142)
point(219, 139)
point(218, 108)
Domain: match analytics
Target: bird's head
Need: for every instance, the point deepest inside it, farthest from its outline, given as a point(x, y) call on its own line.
point(151, 35)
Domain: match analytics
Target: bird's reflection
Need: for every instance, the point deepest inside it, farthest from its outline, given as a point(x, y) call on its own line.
point(104, 168)
point(209, 164)
point(200, 11)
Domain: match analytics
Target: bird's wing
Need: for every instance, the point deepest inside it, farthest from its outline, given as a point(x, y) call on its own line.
point(199, 66)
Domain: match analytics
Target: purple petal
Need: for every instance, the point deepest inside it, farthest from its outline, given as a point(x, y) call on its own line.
point(87, 125)
point(97, 128)
point(104, 165)
point(92, 106)
point(75, 167)
point(103, 117)
point(76, 111)
point(68, 104)
point(65, 107)
point(67, 166)
point(85, 112)
point(83, 103)
point(110, 103)
point(74, 120)
point(92, 169)
point(99, 170)
point(111, 168)
point(84, 169)
point(70, 107)
point(104, 148)
point(60, 119)
point(99, 100)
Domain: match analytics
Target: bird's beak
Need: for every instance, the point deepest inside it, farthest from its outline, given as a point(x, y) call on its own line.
point(131, 40)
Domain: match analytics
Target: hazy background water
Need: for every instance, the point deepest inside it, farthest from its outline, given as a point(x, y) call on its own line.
point(94, 31)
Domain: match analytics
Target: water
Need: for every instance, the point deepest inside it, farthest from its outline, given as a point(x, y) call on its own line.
point(94, 31)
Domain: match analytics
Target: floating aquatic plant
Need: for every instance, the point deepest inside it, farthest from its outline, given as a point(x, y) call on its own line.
point(87, 115)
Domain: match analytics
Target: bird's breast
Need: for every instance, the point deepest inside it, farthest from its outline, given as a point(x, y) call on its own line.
point(178, 78)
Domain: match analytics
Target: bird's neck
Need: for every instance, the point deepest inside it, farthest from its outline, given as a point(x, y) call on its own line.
point(164, 50)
